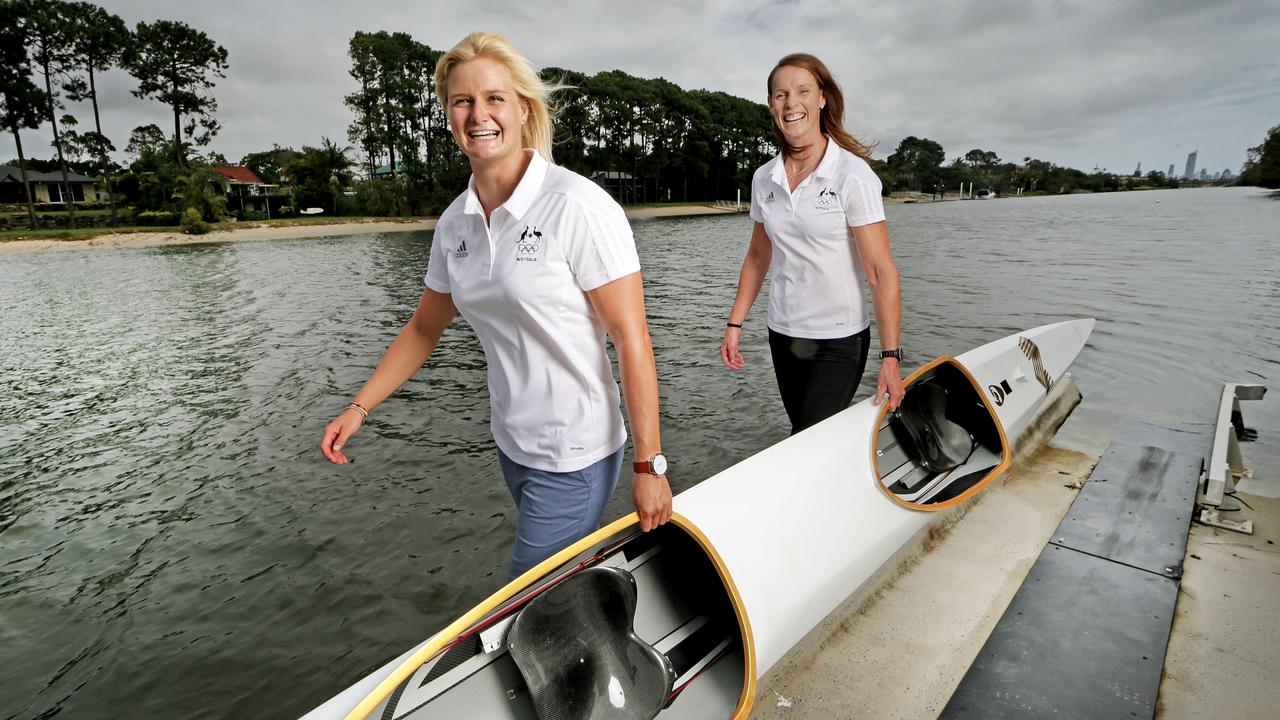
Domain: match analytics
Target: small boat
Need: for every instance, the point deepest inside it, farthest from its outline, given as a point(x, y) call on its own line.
point(679, 623)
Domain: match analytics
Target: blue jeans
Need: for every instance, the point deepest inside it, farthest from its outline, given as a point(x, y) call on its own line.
point(554, 510)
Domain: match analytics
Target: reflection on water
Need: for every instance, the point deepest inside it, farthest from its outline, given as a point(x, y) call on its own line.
point(172, 543)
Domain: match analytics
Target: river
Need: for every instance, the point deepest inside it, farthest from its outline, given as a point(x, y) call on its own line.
point(172, 543)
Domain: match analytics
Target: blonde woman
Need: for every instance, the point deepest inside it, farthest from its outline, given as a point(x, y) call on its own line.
point(820, 231)
point(542, 264)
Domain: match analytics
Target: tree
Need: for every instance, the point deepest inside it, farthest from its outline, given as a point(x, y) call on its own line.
point(98, 39)
point(268, 165)
point(51, 50)
point(23, 102)
point(917, 163)
point(982, 159)
point(319, 174)
point(198, 192)
point(176, 64)
point(154, 171)
point(1036, 173)
point(1262, 166)
point(145, 138)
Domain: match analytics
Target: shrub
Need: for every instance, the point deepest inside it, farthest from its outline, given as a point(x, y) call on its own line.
point(157, 217)
point(193, 223)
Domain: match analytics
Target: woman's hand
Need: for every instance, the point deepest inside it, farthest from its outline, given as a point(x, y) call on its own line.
point(890, 381)
point(336, 434)
point(729, 354)
point(652, 496)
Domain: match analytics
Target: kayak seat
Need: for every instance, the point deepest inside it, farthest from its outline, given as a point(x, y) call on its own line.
point(940, 443)
point(581, 659)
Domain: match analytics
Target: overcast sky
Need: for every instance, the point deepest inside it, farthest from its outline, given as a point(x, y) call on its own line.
point(1081, 83)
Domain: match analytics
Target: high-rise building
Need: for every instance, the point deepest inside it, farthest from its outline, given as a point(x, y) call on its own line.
point(1170, 171)
point(1137, 172)
point(1226, 174)
point(1204, 174)
point(1190, 174)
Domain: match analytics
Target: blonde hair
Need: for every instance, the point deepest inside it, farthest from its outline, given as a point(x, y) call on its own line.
point(537, 130)
point(832, 116)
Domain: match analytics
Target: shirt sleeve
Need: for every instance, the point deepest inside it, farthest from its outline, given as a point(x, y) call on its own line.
point(862, 202)
point(600, 247)
point(437, 277)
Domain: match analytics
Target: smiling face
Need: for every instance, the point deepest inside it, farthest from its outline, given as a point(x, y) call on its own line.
point(485, 113)
point(796, 101)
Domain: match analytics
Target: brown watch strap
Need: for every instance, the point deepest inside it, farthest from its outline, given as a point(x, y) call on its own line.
point(643, 468)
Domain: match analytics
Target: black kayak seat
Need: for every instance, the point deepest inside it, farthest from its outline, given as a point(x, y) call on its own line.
point(576, 647)
point(941, 444)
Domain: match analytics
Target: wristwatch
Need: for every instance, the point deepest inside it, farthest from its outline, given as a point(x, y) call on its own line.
point(895, 353)
point(656, 465)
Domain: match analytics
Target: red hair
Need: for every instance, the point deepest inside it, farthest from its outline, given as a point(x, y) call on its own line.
point(831, 117)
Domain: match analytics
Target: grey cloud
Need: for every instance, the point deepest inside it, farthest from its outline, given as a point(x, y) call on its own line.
point(1077, 82)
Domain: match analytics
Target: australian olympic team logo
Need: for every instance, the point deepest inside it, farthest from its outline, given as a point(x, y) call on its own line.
point(529, 245)
point(826, 199)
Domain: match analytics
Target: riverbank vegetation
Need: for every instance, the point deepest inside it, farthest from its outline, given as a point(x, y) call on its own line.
point(1262, 167)
point(644, 140)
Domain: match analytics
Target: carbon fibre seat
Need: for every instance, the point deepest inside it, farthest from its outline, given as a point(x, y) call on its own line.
point(577, 649)
point(940, 443)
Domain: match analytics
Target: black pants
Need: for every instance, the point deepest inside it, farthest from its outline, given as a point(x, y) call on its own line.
point(817, 378)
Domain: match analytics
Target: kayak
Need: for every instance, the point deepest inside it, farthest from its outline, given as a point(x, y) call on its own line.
point(682, 621)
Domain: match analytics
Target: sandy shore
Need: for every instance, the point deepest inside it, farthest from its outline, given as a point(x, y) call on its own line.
point(252, 231)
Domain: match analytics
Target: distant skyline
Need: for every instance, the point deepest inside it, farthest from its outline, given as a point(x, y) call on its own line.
point(1079, 83)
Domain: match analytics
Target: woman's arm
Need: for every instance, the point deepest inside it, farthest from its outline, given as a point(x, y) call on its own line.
point(406, 355)
point(620, 306)
point(872, 243)
point(754, 268)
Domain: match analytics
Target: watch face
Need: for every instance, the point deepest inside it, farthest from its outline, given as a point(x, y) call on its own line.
point(659, 464)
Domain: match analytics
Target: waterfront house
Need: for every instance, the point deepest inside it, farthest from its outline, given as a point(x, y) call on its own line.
point(245, 191)
point(47, 187)
point(624, 187)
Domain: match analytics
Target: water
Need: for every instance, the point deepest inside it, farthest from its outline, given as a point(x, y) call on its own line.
point(172, 543)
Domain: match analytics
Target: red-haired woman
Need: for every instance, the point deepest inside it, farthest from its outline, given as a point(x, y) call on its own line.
point(820, 231)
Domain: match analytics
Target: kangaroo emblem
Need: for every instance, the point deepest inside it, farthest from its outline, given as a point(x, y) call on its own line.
point(529, 244)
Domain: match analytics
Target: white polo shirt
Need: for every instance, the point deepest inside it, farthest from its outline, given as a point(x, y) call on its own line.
point(521, 283)
point(816, 282)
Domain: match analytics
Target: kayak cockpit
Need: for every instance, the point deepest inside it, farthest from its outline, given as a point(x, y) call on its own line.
point(943, 443)
point(641, 620)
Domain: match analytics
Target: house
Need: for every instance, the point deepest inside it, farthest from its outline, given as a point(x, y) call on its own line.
point(388, 171)
point(47, 187)
point(244, 190)
point(624, 187)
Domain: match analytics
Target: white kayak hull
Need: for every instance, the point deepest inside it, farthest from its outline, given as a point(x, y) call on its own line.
point(782, 538)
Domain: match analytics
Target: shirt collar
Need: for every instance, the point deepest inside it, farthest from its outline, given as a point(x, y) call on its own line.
point(779, 171)
point(826, 167)
point(524, 194)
